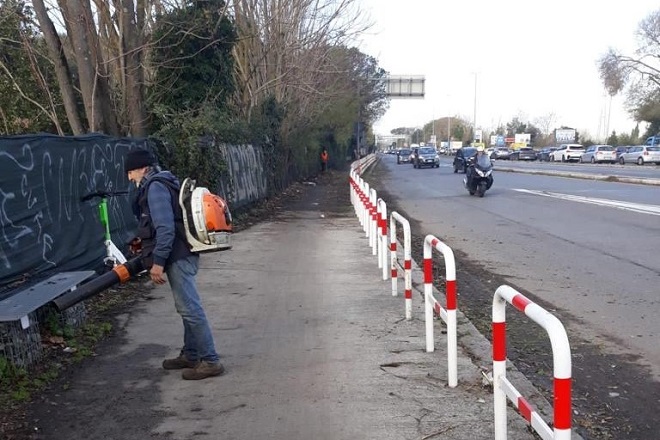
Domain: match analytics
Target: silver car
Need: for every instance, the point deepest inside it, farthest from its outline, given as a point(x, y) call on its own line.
point(641, 154)
point(598, 154)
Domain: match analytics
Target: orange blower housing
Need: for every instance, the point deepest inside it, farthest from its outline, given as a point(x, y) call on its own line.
point(206, 217)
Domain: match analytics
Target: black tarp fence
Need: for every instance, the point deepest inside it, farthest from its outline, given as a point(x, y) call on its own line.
point(44, 226)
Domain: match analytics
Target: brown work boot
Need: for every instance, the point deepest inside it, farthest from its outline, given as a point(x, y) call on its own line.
point(179, 363)
point(203, 370)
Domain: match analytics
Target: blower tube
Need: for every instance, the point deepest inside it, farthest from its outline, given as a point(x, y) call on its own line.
point(119, 274)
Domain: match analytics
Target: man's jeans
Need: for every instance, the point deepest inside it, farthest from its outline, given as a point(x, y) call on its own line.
point(197, 337)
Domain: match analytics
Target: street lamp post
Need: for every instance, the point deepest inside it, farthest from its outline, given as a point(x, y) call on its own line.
point(448, 125)
point(474, 116)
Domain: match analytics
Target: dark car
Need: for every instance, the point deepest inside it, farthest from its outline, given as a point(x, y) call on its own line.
point(544, 154)
point(524, 153)
point(426, 157)
point(462, 157)
point(403, 155)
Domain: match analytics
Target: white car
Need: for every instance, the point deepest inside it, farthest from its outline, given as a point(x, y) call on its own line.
point(567, 153)
point(598, 154)
point(641, 154)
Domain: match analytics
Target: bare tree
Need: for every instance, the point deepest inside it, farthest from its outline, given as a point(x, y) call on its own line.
point(61, 65)
point(639, 72)
point(107, 44)
point(284, 49)
point(546, 122)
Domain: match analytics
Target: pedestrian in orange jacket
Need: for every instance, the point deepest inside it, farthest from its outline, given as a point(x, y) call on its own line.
point(324, 160)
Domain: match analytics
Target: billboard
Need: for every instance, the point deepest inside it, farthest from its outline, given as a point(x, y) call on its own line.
point(564, 135)
point(523, 138)
point(405, 86)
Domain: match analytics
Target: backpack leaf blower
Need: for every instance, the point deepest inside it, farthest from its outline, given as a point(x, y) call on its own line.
point(208, 225)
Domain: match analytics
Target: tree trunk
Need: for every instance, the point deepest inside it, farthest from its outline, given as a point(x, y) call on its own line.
point(93, 82)
point(61, 67)
point(109, 123)
point(132, 52)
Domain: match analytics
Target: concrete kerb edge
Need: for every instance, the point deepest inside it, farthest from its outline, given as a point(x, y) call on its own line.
point(479, 349)
point(609, 178)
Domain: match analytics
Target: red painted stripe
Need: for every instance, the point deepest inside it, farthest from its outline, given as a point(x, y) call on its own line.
point(384, 226)
point(499, 341)
point(525, 409)
point(562, 388)
point(393, 246)
point(394, 273)
point(451, 294)
point(407, 264)
point(520, 302)
point(408, 294)
point(428, 271)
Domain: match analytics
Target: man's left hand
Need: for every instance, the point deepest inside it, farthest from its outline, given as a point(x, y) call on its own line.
point(156, 273)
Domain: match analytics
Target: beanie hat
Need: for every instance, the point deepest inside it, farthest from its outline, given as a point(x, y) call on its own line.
point(138, 158)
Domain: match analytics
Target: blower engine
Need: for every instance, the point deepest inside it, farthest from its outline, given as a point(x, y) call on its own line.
point(206, 218)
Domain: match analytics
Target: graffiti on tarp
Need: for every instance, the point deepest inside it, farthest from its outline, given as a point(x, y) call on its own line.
point(44, 226)
point(247, 177)
point(43, 223)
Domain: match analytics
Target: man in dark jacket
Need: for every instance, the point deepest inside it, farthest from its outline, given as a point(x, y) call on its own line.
point(165, 251)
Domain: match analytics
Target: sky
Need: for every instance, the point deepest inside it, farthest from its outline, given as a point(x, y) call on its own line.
point(528, 59)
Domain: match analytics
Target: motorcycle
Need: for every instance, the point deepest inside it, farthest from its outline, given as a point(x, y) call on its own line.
point(479, 177)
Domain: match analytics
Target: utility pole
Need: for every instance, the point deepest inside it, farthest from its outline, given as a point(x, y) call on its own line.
point(448, 125)
point(474, 116)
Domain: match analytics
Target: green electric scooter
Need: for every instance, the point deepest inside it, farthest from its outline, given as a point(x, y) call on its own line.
point(113, 256)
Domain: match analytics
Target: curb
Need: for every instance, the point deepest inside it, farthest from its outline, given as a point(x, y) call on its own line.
point(584, 176)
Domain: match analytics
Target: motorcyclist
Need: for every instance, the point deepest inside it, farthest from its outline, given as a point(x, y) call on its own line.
point(483, 160)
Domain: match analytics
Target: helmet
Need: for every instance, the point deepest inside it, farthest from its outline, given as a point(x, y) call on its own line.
point(480, 148)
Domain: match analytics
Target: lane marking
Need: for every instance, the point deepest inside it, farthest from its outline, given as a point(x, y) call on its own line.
point(627, 206)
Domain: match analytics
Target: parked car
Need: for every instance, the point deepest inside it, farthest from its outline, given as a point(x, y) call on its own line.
point(462, 157)
point(403, 155)
point(618, 151)
point(426, 157)
point(652, 141)
point(641, 154)
point(524, 153)
point(567, 153)
point(598, 154)
point(500, 153)
point(543, 155)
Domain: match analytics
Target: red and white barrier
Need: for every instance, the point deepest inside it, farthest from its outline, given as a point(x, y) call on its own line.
point(431, 304)
point(407, 260)
point(373, 225)
point(561, 356)
point(382, 238)
point(356, 199)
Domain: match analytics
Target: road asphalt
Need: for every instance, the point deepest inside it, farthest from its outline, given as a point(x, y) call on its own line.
point(314, 344)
